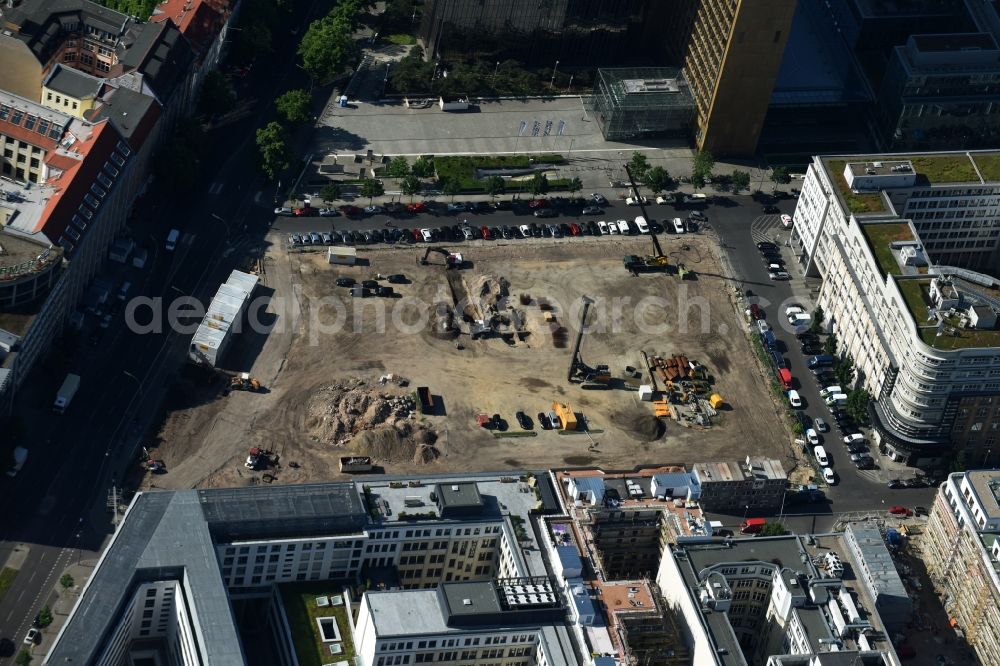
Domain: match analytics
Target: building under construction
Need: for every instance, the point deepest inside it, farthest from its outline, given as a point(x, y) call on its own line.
point(630, 103)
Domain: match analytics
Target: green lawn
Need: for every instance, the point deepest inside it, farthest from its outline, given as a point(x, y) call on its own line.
point(401, 40)
point(7, 576)
point(879, 236)
point(302, 612)
point(989, 166)
point(915, 293)
point(856, 203)
point(462, 168)
point(945, 168)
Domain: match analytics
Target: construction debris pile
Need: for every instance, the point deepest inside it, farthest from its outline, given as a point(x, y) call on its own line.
point(481, 309)
point(377, 420)
point(687, 391)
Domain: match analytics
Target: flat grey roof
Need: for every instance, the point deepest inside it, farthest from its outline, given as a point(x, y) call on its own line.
point(406, 613)
point(459, 495)
point(471, 598)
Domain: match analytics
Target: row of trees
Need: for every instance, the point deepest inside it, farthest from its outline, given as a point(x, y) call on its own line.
point(329, 44)
point(294, 108)
point(845, 372)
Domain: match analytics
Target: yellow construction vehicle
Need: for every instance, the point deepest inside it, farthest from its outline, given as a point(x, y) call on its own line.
point(244, 382)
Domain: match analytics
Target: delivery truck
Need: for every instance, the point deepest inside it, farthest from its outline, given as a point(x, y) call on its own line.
point(66, 392)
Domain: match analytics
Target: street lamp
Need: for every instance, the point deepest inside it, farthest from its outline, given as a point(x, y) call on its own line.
point(554, 70)
point(495, 70)
point(570, 86)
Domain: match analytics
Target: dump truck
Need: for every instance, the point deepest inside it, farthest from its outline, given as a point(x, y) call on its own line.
point(66, 392)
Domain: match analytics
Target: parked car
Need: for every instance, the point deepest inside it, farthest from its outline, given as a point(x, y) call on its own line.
point(778, 275)
point(328, 212)
point(697, 215)
point(756, 312)
point(327, 238)
point(591, 210)
point(538, 203)
point(642, 225)
point(345, 282)
point(854, 438)
point(545, 212)
point(524, 421)
point(501, 205)
point(33, 637)
point(575, 229)
point(457, 207)
point(766, 245)
point(898, 510)
point(794, 398)
point(416, 207)
point(915, 483)
point(829, 476)
point(479, 207)
point(635, 201)
point(771, 210)
point(543, 421)
point(351, 211)
point(374, 209)
point(486, 233)
point(812, 436)
point(603, 226)
point(283, 210)
point(895, 484)
point(426, 235)
point(599, 199)
point(821, 425)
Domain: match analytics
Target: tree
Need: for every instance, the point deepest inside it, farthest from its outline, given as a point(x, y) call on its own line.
point(295, 106)
point(451, 187)
point(697, 181)
point(422, 168)
point(780, 175)
point(844, 371)
point(217, 95)
point(275, 155)
point(398, 167)
point(371, 188)
point(657, 179)
point(45, 616)
point(703, 165)
point(410, 186)
point(817, 320)
point(539, 184)
point(330, 192)
point(638, 165)
point(23, 658)
point(495, 185)
point(773, 529)
point(574, 185)
point(830, 345)
point(857, 404)
point(741, 180)
point(326, 47)
point(66, 581)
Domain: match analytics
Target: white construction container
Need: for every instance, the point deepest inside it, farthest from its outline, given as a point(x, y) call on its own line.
point(347, 256)
point(646, 393)
point(223, 319)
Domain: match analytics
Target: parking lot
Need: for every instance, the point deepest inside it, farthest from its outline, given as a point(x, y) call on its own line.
point(382, 340)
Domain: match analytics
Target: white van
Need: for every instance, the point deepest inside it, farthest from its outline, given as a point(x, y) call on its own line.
point(696, 198)
point(172, 239)
point(821, 456)
point(839, 399)
point(678, 225)
point(830, 390)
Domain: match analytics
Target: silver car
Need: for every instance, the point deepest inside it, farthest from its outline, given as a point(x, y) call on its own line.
point(315, 238)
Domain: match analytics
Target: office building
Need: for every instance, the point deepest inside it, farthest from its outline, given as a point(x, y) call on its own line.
point(896, 239)
point(961, 549)
point(574, 33)
point(755, 484)
point(773, 600)
point(732, 61)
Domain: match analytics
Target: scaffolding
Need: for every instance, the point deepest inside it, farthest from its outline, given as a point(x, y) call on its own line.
point(630, 103)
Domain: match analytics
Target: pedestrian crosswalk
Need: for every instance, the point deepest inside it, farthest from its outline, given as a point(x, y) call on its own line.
point(765, 228)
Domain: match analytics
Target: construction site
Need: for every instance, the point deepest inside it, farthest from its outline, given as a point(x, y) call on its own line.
point(484, 358)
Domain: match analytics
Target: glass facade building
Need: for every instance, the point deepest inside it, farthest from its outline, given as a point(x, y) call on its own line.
point(640, 102)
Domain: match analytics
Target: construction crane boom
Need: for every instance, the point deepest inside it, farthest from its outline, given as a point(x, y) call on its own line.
point(657, 251)
point(579, 372)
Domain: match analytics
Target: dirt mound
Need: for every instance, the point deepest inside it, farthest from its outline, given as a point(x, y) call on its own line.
point(376, 420)
point(639, 423)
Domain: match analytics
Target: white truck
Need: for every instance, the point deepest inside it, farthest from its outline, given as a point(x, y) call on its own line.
point(66, 392)
point(20, 455)
point(454, 103)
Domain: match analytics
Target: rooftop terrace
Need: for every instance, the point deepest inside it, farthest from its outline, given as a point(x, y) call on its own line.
point(916, 294)
point(880, 236)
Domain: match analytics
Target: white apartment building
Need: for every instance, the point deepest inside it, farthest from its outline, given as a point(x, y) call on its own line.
point(961, 549)
point(922, 336)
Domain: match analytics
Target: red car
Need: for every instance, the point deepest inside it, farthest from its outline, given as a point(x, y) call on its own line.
point(417, 236)
point(538, 203)
point(351, 211)
point(575, 229)
point(756, 312)
point(485, 233)
point(900, 511)
point(305, 211)
point(418, 207)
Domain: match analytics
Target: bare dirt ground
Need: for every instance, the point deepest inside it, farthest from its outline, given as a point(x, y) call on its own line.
point(323, 380)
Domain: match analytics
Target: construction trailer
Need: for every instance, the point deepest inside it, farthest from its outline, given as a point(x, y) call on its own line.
point(223, 320)
point(347, 256)
point(353, 464)
point(567, 417)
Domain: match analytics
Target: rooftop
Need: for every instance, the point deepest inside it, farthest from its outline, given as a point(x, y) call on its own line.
point(459, 495)
point(986, 483)
point(645, 87)
point(949, 335)
point(73, 83)
point(880, 236)
point(955, 42)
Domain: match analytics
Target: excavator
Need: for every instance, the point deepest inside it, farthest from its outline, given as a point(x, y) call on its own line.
point(244, 382)
point(451, 259)
point(597, 377)
point(655, 262)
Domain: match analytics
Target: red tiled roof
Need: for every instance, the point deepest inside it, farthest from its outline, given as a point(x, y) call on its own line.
point(198, 20)
point(60, 161)
point(76, 181)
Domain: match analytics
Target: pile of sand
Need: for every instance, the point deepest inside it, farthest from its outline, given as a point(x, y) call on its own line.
point(372, 419)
